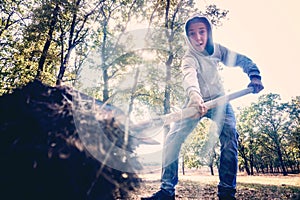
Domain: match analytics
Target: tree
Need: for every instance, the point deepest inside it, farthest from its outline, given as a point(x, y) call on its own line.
point(166, 42)
point(37, 51)
point(293, 133)
point(247, 138)
point(111, 24)
point(200, 148)
point(13, 18)
point(271, 121)
point(49, 39)
point(74, 30)
point(45, 35)
point(268, 134)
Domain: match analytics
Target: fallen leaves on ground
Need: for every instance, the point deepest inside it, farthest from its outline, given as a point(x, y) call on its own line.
point(192, 190)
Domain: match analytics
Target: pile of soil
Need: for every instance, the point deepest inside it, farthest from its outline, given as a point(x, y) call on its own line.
point(42, 155)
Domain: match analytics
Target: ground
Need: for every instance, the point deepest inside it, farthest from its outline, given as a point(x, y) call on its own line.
point(201, 185)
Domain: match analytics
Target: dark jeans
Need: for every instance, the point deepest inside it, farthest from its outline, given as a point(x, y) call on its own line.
point(228, 136)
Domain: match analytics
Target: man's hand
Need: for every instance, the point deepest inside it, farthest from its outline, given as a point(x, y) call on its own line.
point(256, 84)
point(197, 102)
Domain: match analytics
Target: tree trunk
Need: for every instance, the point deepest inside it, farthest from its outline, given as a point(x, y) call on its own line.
point(167, 107)
point(104, 66)
point(243, 154)
point(63, 66)
point(168, 64)
point(247, 167)
point(284, 172)
point(211, 170)
point(271, 168)
point(71, 46)
point(183, 171)
point(251, 164)
point(105, 87)
point(48, 42)
point(251, 157)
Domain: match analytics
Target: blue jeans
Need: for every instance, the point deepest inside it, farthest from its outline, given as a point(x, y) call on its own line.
point(228, 136)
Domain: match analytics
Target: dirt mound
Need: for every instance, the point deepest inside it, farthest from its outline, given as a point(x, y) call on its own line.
point(42, 156)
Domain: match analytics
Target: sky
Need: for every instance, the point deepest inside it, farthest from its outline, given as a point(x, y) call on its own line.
point(268, 32)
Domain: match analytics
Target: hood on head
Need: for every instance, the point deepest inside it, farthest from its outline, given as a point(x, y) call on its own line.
point(200, 18)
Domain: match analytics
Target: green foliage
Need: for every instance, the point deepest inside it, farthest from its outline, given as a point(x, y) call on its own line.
point(29, 24)
point(268, 134)
point(13, 18)
point(201, 147)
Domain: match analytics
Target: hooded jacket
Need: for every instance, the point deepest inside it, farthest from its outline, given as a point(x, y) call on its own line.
point(200, 69)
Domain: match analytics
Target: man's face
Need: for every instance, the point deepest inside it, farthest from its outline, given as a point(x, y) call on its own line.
point(198, 34)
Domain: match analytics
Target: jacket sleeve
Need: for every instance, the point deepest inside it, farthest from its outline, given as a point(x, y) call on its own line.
point(189, 71)
point(231, 58)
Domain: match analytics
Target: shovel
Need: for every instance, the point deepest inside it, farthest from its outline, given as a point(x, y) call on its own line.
point(142, 129)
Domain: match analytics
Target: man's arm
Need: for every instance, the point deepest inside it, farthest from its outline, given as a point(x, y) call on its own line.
point(191, 86)
point(231, 58)
point(190, 79)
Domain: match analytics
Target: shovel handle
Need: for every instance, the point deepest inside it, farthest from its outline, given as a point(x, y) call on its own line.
point(190, 111)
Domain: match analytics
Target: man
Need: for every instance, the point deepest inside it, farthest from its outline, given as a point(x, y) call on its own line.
point(202, 83)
